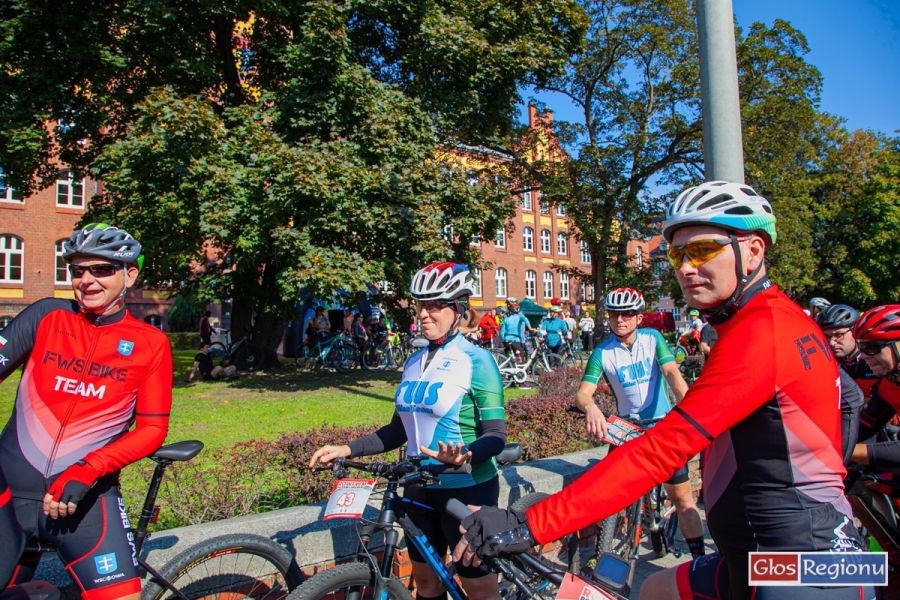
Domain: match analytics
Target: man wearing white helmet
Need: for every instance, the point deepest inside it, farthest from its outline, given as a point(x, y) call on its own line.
point(766, 406)
point(90, 372)
point(817, 305)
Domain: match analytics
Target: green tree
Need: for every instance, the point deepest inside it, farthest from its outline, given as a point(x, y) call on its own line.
point(260, 147)
point(184, 315)
point(857, 216)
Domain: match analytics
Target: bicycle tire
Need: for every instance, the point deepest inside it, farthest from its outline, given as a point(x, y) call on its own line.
point(246, 566)
point(352, 581)
point(217, 351)
point(374, 359)
point(240, 358)
point(546, 363)
point(343, 358)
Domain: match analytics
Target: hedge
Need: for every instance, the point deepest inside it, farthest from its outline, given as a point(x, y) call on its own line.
point(184, 340)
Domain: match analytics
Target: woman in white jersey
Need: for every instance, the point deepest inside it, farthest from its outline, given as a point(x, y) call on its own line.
point(449, 407)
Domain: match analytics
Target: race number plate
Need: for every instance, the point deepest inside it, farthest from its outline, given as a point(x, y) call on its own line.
point(576, 588)
point(348, 498)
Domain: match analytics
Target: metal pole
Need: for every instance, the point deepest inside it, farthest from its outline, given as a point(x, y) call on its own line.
point(722, 150)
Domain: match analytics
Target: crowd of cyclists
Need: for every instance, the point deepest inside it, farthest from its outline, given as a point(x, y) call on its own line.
point(777, 412)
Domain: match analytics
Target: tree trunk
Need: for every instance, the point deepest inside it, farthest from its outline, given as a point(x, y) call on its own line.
point(268, 332)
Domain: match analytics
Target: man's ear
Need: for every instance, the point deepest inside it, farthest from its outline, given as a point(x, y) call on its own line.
point(131, 275)
point(754, 253)
point(640, 319)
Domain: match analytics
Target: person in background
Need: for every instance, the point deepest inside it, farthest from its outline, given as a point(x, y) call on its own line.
point(708, 337)
point(489, 328)
point(469, 325)
point(203, 366)
point(816, 306)
point(837, 323)
point(555, 329)
point(358, 332)
point(586, 325)
point(206, 329)
point(570, 332)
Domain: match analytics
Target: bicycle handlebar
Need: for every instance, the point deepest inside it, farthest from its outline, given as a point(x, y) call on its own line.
point(406, 471)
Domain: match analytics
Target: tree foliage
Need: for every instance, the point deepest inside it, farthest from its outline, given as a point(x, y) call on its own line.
point(257, 147)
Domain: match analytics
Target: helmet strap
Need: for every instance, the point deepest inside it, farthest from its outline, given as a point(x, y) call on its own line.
point(894, 376)
point(723, 312)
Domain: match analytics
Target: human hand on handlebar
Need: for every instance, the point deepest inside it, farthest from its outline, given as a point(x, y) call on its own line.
point(490, 531)
point(326, 454)
point(449, 453)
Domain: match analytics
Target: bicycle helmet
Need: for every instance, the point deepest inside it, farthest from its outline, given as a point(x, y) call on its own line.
point(819, 302)
point(442, 281)
point(693, 313)
point(103, 241)
point(732, 206)
point(622, 299)
point(837, 315)
point(879, 324)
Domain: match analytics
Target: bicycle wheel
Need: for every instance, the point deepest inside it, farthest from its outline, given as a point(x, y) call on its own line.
point(545, 363)
point(247, 358)
point(343, 358)
point(229, 566)
point(375, 359)
point(353, 581)
point(217, 351)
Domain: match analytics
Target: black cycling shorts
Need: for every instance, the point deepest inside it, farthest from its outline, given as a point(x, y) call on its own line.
point(706, 578)
point(96, 543)
point(443, 532)
point(682, 475)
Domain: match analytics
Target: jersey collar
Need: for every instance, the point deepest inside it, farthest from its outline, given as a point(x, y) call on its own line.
point(723, 314)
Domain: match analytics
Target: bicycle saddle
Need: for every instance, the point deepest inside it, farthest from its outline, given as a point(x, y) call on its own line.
point(185, 450)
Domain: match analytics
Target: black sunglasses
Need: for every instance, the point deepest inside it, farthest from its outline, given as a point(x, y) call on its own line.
point(97, 271)
point(623, 314)
point(872, 348)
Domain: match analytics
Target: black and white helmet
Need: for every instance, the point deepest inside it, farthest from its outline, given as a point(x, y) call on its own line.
point(442, 281)
point(836, 316)
point(732, 206)
point(103, 241)
point(623, 299)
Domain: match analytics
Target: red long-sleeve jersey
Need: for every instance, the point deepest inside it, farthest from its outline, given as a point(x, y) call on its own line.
point(85, 381)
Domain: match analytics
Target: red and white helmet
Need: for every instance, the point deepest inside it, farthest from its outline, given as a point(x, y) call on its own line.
point(442, 281)
point(622, 299)
point(879, 324)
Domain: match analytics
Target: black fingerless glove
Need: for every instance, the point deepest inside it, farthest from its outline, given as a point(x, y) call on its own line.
point(493, 531)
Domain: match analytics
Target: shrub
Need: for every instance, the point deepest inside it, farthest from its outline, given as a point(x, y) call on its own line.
point(184, 315)
point(184, 340)
point(544, 428)
point(565, 382)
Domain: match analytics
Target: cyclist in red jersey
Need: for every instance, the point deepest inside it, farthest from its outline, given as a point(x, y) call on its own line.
point(90, 372)
point(766, 404)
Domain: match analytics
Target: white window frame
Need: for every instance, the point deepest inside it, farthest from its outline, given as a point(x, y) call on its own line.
point(585, 253)
point(544, 207)
point(560, 210)
point(562, 243)
point(66, 189)
point(8, 194)
point(447, 231)
point(62, 267)
point(528, 239)
point(500, 238)
point(639, 257)
point(527, 200)
point(11, 246)
point(500, 282)
point(530, 284)
point(676, 314)
point(475, 241)
point(548, 284)
point(476, 282)
point(545, 241)
point(563, 286)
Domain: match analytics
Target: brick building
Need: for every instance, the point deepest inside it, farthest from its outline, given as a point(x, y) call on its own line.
point(32, 230)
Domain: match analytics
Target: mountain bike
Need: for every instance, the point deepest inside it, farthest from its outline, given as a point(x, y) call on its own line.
point(386, 354)
point(242, 354)
point(239, 565)
point(875, 505)
point(337, 352)
point(366, 577)
point(539, 360)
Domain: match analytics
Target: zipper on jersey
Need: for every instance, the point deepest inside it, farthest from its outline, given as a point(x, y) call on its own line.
point(62, 425)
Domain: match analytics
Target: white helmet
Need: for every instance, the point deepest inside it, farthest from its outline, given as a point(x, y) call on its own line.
point(442, 281)
point(622, 299)
point(733, 206)
point(819, 302)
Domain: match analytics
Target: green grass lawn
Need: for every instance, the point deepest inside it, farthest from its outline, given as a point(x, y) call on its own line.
point(267, 404)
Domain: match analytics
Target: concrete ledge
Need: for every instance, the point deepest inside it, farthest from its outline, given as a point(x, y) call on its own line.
point(315, 543)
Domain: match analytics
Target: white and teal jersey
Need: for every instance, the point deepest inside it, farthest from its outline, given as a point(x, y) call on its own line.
point(447, 401)
point(634, 374)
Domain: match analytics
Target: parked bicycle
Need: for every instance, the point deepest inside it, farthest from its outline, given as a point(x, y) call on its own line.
point(386, 354)
point(242, 354)
point(366, 577)
point(337, 352)
point(238, 565)
point(874, 498)
point(539, 360)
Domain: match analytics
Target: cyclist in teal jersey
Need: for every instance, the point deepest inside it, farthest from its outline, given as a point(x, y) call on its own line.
point(555, 328)
point(637, 363)
point(449, 407)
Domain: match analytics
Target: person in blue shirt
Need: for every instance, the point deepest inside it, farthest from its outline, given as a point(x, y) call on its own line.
point(513, 329)
point(554, 328)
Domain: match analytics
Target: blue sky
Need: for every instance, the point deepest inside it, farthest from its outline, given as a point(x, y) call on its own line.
point(855, 44)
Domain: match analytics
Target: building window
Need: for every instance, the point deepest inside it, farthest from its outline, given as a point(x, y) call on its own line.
point(562, 243)
point(500, 239)
point(154, 321)
point(69, 192)
point(4, 321)
point(563, 286)
point(475, 240)
point(548, 284)
point(530, 284)
point(589, 292)
point(62, 267)
point(545, 207)
point(8, 194)
point(528, 239)
point(585, 253)
point(476, 280)
point(545, 241)
point(639, 257)
point(676, 313)
point(500, 282)
point(12, 254)
point(560, 210)
point(526, 200)
point(448, 232)
point(472, 177)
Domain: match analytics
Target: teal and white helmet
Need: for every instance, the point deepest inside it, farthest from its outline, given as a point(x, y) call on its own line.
point(732, 206)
